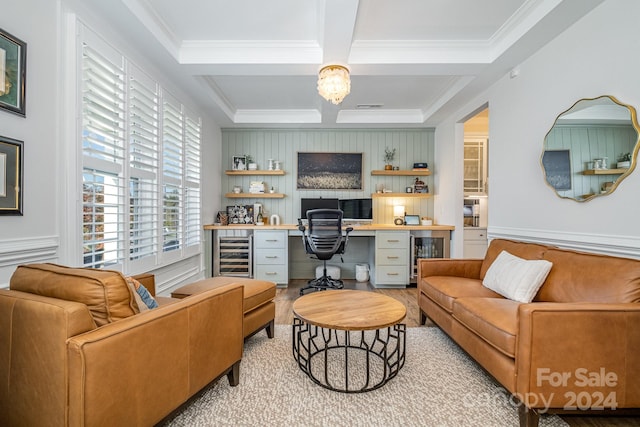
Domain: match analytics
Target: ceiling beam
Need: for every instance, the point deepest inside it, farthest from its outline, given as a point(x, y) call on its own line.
point(336, 29)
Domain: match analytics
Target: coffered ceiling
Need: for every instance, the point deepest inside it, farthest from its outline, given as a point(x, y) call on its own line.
point(412, 62)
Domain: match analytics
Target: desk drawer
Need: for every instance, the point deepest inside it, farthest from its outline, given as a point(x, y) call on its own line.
point(272, 273)
point(392, 257)
point(270, 256)
point(392, 239)
point(270, 239)
point(392, 275)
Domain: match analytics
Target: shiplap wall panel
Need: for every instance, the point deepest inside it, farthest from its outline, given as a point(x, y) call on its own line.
point(412, 145)
point(586, 143)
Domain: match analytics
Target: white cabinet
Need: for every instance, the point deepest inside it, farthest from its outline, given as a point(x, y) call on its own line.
point(270, 255)
point(475, 242)
point(392, 258)
point(475, 166)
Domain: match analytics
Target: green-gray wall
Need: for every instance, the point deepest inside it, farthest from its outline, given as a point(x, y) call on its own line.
point(412, 145)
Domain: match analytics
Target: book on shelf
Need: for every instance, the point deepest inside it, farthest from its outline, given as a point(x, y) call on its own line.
point(256, 187)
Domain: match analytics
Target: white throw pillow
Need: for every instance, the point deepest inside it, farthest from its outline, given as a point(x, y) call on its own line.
point(516, 278)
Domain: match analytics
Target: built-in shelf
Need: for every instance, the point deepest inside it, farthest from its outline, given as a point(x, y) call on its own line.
point(413, 195)
point(254, 195)
point(425, 172)
point(604, 171)
point(256, 172)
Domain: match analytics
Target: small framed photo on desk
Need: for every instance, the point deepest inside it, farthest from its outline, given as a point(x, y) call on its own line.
point(412, 220)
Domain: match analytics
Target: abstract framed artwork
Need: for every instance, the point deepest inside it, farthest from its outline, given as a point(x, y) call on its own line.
point(329, 171)
point(11, 164)
point(13, 65)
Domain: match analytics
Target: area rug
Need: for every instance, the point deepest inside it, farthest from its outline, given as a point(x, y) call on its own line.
point(439, 385)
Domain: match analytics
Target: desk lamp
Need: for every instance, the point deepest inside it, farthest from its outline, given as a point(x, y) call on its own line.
point(398, 215)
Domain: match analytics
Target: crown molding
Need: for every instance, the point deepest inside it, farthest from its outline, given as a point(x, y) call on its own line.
point(380, 116)
point(250, 52)
point(277, 116)
point(142, 10)
point(522, 21)
point(218, 97)
point(459, 84)
point(420, 52)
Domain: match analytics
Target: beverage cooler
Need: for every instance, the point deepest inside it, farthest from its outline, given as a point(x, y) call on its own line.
point(234, 250)
point(427, 244)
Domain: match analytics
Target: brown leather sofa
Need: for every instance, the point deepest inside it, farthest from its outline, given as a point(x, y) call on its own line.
point(576, 346)
point(98, 362)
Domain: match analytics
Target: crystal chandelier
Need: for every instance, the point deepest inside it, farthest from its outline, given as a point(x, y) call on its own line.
point(334, 83)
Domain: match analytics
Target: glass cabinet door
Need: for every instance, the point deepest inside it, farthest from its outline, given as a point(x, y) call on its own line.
point(475, 165)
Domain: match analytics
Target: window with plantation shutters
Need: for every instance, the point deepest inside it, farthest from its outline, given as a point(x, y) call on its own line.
point(103, 151)
point(192, 182)
point(140, 166)
point(172, 168)
point(143, 166)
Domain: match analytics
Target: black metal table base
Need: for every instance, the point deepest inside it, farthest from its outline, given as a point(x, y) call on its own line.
point(349, 361)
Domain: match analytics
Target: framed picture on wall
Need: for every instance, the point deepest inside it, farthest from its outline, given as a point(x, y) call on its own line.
point(329, 171)
point(11, 161)
point(557, 164)
point(13, 64)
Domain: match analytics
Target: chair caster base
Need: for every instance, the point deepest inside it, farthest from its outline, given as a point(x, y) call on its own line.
point(322, 284)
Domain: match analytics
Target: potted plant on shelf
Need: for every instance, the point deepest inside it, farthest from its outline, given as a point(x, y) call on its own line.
point(250, 163)
point(624, 161)
point(389, 155)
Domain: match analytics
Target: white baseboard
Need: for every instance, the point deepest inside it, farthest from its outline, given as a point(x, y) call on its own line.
point(621, 246)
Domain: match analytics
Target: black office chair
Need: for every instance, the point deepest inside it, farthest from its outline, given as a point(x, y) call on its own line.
point(323, 238)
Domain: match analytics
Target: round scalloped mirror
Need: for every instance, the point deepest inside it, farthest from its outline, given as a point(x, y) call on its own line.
point(591, 148)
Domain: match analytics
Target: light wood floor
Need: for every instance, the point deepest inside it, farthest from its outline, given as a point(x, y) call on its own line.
point(284, 316)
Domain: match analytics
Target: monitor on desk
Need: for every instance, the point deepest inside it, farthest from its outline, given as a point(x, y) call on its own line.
point(310, 204)
point(357, 210)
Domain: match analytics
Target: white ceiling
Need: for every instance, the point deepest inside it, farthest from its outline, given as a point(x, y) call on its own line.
point(255, 62)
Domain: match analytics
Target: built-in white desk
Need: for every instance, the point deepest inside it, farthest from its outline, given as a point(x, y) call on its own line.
point(276, 252)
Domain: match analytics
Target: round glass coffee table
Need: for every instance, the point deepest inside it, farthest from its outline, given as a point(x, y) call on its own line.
point(349, 341)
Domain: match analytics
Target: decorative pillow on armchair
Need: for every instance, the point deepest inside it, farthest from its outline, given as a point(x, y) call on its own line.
point(516, 278)
point(143, 298)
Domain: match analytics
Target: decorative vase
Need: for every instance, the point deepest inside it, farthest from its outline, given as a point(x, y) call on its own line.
point(388, 167)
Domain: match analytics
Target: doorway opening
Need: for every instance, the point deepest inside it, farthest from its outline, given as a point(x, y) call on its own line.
point(476, 184)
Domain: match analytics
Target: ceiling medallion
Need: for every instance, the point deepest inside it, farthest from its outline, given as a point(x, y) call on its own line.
point(334, 83)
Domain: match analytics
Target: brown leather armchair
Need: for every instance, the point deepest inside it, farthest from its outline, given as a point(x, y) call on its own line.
point(58, 368)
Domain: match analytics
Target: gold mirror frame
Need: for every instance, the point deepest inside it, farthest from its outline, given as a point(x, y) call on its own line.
point(563, 165)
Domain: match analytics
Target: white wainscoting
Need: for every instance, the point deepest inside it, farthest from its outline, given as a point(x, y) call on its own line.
point(178, 274)
point(25, 251)
point(621, 246)
point(45, 249)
